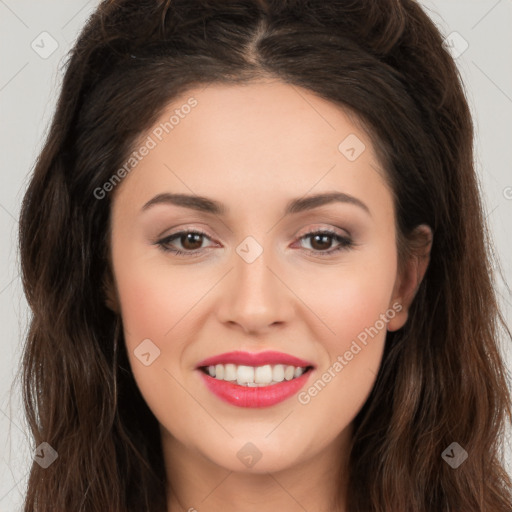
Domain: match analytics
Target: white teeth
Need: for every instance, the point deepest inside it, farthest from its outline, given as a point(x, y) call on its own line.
point(230, 372)
point(244, 374)
point(219, 371)
point(289, 372)
point(263, 374)
point(251, 376)
point(278, 373)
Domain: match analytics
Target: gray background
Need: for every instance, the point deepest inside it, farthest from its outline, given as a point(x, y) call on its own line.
point(29, 81)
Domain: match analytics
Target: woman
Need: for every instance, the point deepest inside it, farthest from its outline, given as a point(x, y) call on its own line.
point(328, 341)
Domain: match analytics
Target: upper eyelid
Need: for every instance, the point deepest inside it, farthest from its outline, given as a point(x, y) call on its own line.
point(186, 230)
point(316, 228)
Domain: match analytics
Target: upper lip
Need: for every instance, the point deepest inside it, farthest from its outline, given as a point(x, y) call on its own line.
point(254, 359)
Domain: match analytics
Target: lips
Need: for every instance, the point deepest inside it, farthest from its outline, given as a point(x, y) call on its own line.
point(259, 390)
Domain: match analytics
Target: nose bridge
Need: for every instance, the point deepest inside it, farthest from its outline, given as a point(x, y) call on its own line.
point(255, 284)
point(255, 298)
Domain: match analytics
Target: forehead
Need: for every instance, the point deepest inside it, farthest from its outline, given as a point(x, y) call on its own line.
point(253, 140)
point(272, 117)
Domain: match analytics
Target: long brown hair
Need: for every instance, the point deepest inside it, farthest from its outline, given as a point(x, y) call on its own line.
point(442, 379)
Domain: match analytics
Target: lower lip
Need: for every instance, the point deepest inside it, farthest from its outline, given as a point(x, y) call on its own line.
point(257, 397)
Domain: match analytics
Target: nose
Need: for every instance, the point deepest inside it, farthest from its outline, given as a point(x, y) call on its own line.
point(254, 296)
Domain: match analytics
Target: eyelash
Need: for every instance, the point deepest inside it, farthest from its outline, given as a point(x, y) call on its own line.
point(345, 243)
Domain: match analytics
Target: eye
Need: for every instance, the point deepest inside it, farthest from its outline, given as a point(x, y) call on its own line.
point(192, 240)
point(319, 240)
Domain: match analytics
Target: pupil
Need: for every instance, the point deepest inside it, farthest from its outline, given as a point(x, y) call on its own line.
point(324, 237)
point(189, 238)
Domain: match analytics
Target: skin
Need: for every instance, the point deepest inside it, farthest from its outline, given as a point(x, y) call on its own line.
point(254, 148)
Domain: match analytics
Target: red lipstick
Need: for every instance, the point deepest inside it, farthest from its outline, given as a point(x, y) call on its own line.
point(255, 397)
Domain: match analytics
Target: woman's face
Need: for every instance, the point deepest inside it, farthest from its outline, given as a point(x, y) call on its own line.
point(258, 279)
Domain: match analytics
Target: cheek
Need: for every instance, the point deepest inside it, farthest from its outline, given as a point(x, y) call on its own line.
point(342, 385)
point(151, 306)
point(159, 303)
point(351, 299)
point(153, 299)
point(155, 308)
point(353, 303)
point(145, 306)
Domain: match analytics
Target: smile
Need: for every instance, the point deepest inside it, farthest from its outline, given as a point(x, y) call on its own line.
point(250, 376)
point(241, 379)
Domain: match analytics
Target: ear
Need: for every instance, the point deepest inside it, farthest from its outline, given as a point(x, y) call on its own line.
point(110, 292)
point(411, 275)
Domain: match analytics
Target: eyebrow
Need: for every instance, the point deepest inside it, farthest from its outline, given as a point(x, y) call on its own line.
point(207, 205)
